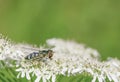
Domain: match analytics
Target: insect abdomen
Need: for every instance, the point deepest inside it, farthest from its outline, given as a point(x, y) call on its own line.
point(32, 55)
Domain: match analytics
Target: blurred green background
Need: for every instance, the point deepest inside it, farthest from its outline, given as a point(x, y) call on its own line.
point(93, 22)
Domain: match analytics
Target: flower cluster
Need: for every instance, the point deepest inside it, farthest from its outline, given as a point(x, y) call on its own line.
point(70, 58)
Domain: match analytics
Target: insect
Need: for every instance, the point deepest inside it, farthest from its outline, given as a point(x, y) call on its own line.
point(40, 55)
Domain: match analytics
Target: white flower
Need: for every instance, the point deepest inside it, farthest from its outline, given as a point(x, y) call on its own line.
point(24, 72)
point(70, 58)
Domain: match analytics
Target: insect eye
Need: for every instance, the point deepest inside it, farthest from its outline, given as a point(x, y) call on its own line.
point(50, 52)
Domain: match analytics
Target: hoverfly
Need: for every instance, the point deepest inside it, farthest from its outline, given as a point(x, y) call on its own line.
point(40, 55)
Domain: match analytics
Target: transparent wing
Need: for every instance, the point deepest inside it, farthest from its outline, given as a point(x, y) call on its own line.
point(27, 49)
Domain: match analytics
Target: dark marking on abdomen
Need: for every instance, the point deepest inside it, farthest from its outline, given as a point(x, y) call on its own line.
point(32, 55)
